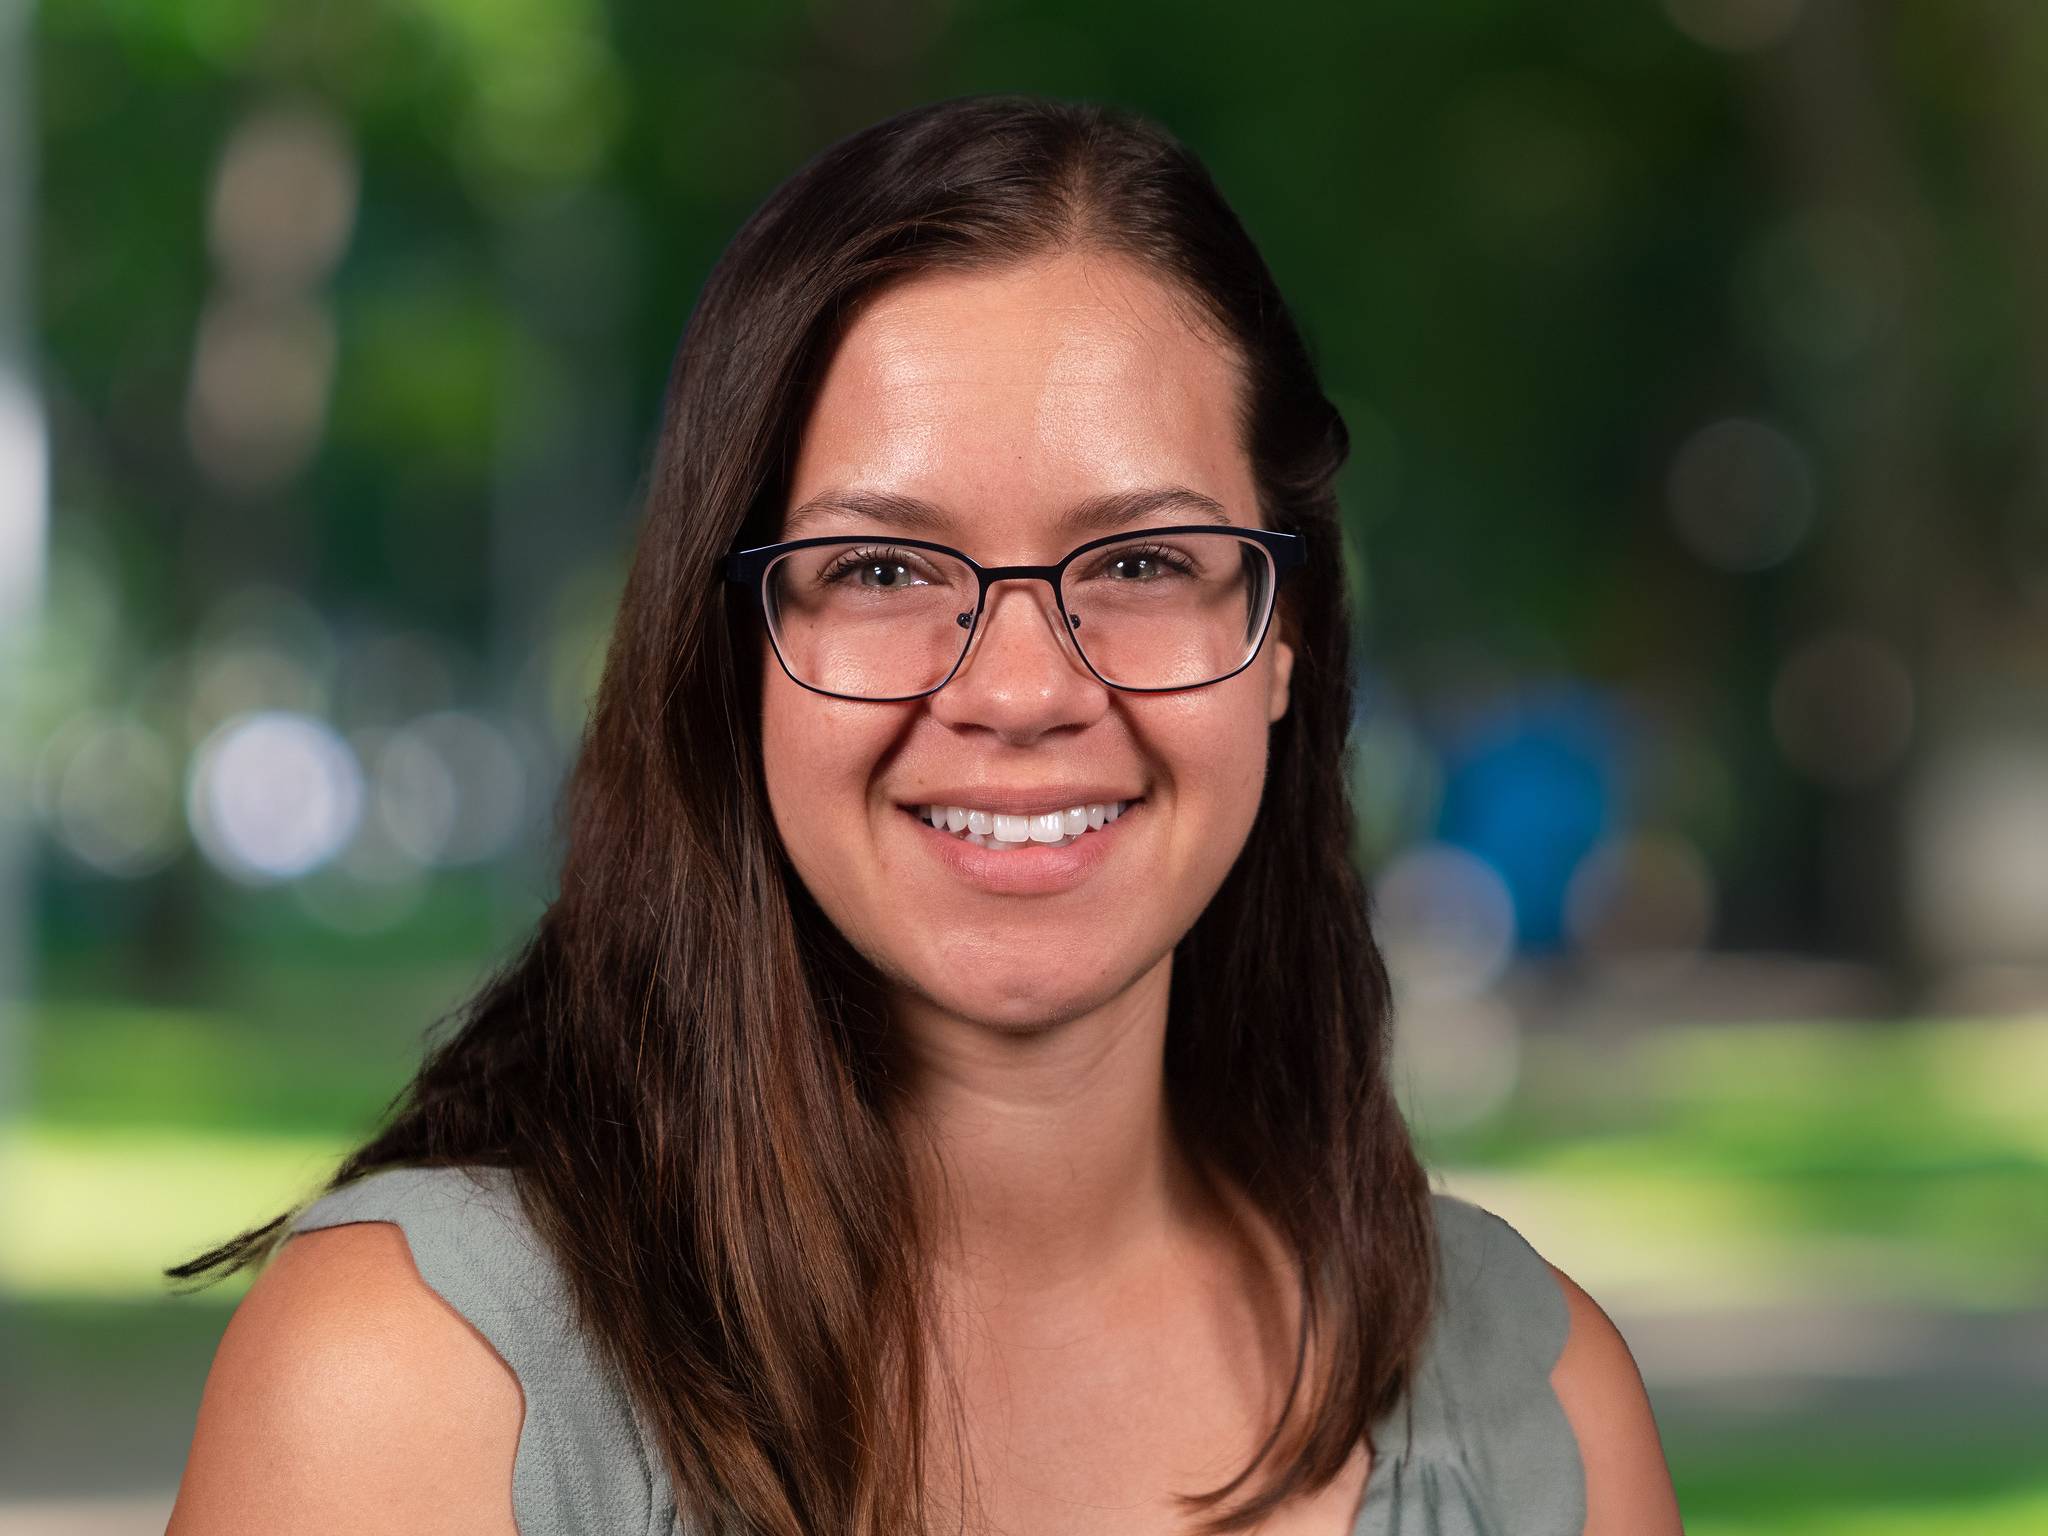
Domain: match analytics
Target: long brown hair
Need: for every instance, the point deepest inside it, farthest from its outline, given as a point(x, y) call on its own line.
point(687, 1066)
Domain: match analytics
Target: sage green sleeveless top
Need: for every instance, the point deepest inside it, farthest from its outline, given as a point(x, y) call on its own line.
point(1480, 1446)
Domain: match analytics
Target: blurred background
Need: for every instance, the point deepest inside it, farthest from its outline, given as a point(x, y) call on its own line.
point(1695, 354)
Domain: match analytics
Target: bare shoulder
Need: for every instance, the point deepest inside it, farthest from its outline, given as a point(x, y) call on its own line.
point(1628, 1483)
point(346, 1396)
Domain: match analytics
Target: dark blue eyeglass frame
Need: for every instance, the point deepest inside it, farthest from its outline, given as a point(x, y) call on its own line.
point(749, 567)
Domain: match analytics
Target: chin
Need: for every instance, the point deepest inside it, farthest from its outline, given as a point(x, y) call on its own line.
point(1016, 998)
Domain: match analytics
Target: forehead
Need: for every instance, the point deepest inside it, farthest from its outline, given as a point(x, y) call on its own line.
point(1006, 397)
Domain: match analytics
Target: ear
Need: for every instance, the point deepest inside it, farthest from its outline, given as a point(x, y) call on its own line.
point(1283, 672)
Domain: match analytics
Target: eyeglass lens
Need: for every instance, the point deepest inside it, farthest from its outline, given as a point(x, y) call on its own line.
point(868, 619)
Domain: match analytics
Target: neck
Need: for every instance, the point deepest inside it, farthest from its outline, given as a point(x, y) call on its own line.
point(1045, 1155)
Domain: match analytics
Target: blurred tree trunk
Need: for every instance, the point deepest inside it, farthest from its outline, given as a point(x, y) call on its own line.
point(1889, 561)
point(2006, 45)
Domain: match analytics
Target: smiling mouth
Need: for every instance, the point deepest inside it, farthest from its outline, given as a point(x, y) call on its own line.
point(1049, 829)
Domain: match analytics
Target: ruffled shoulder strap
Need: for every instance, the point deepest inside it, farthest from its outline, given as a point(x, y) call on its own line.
point(1481, 1446)
point(581, 1464)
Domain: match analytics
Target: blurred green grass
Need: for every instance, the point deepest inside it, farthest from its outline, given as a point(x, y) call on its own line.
point(1953, 1493)
point(289, 1050)
point(1758, 1161)
point(1734, 1162)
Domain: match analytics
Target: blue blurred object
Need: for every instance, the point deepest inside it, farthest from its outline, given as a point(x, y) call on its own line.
point(1529, 783)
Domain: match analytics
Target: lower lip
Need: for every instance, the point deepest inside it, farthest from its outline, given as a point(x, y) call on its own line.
point(1037, 869)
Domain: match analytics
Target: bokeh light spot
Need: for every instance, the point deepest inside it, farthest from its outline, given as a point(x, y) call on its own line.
point(273, 796)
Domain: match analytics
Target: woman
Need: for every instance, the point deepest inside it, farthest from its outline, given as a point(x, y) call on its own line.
point(950, 1090)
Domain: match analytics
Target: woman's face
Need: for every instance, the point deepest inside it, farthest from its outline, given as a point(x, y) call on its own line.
point(1003, 399)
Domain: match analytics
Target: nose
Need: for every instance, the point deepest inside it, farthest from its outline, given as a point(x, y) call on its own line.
point(1021, 675)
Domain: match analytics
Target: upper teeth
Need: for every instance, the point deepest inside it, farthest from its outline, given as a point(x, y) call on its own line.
point(1045, 827)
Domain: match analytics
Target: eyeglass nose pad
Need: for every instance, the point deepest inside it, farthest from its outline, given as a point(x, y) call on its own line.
point(966, 621)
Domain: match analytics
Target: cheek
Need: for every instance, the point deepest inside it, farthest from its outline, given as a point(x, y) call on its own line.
point(1227, 768)
point(1215, 748)
point(783, 748)
point(1211, 750)
point(819, 756)
point(802, 765)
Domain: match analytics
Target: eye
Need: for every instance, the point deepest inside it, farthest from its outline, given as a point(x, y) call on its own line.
point(880, 570)
point(1143, 564)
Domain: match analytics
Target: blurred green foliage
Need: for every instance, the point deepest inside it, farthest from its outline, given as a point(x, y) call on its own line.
point(1535, 249)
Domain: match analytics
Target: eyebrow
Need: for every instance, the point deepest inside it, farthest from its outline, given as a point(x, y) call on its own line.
point(912, 514)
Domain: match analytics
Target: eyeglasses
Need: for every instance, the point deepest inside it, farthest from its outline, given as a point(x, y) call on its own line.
point(887, 620)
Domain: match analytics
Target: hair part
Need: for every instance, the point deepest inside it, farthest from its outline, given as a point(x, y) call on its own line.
point(688, 1067)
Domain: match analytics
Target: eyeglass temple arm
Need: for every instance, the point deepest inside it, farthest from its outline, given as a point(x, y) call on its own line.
point(1289, 551)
